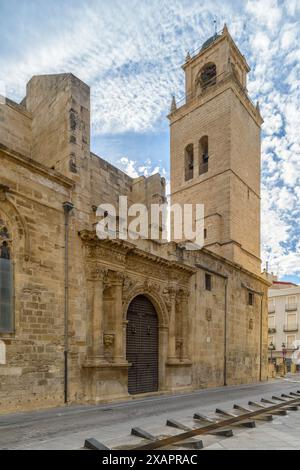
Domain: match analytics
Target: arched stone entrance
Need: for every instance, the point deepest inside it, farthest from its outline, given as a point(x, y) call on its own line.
point(142, 341)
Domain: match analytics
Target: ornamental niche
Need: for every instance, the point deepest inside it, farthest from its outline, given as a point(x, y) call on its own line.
point(5, 240)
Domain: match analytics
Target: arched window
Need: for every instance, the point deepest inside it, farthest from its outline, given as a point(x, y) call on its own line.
point(6, 280)
point(208, 75)
point(189, 162)
point(203, 155)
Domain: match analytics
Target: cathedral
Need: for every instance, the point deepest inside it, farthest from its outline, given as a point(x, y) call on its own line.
point(89, 320)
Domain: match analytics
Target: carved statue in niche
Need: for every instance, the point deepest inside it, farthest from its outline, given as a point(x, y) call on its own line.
point(4, 240)
point(4, 251)
point(3, 231)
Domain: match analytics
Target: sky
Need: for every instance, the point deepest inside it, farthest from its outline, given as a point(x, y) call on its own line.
point(130, 53)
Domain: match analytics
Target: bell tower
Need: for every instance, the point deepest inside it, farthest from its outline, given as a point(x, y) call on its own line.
point(216, 150)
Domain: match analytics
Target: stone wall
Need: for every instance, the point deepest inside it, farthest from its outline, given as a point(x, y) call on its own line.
point(243, 324)
point(32, 204)
point(15, 127)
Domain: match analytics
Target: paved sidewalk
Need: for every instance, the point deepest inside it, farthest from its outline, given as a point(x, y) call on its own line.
point(68, 427)
point(282, 434)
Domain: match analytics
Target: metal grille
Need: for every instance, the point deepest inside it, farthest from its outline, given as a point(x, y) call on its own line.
point(142, 346)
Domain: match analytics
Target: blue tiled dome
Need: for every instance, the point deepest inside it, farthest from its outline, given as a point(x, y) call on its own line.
point(210, 41)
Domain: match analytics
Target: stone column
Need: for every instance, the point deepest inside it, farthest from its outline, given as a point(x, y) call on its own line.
point(118, 349)
point(117, 280)
point(97, 314)
point(185, 315)
point(172, 325)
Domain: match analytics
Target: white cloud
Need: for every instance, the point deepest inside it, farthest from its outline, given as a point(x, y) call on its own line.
point(267, 12)
point(133, 168)
point(292, 6)
point(129, 166)
point(288, 38)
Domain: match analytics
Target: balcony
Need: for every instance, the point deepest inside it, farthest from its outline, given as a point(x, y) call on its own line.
point(291, 307)
point(290, 328)
point(272, 330)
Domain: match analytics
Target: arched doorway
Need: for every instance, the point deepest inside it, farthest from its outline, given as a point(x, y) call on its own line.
point(142, 346)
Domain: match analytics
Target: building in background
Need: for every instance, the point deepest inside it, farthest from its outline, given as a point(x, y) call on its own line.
point(284, 334)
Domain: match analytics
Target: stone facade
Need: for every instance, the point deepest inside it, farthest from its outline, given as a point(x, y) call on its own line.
point(72, 304)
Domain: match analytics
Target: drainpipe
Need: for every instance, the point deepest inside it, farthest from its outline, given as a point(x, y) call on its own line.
point(68, 207)
point(261, 338)
point(223, 276)
point(225, 332)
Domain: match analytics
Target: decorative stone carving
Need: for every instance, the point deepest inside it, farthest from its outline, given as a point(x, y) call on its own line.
point(98, 273)
point(114, 278)
point(208, 314)
point(109, 255)
point(147, 268)
point(113, 251)
point(72, 163)
point(155, 297)
point(95, 271)
point(91, 251)
point(127, 285)
point(3, 191)
point(5, 239)
point(4, 234)
point(152, 285)
point(168, 304)
point(16, 223)
point(109, 339)
point(184, 294)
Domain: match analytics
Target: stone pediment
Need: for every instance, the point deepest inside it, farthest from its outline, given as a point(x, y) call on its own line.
point(125, 254)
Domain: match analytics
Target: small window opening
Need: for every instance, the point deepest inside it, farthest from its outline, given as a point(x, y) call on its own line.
point(203, 155)
point(250, 298)
point(189, 162)
point(208, 75)
point(208, 283)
